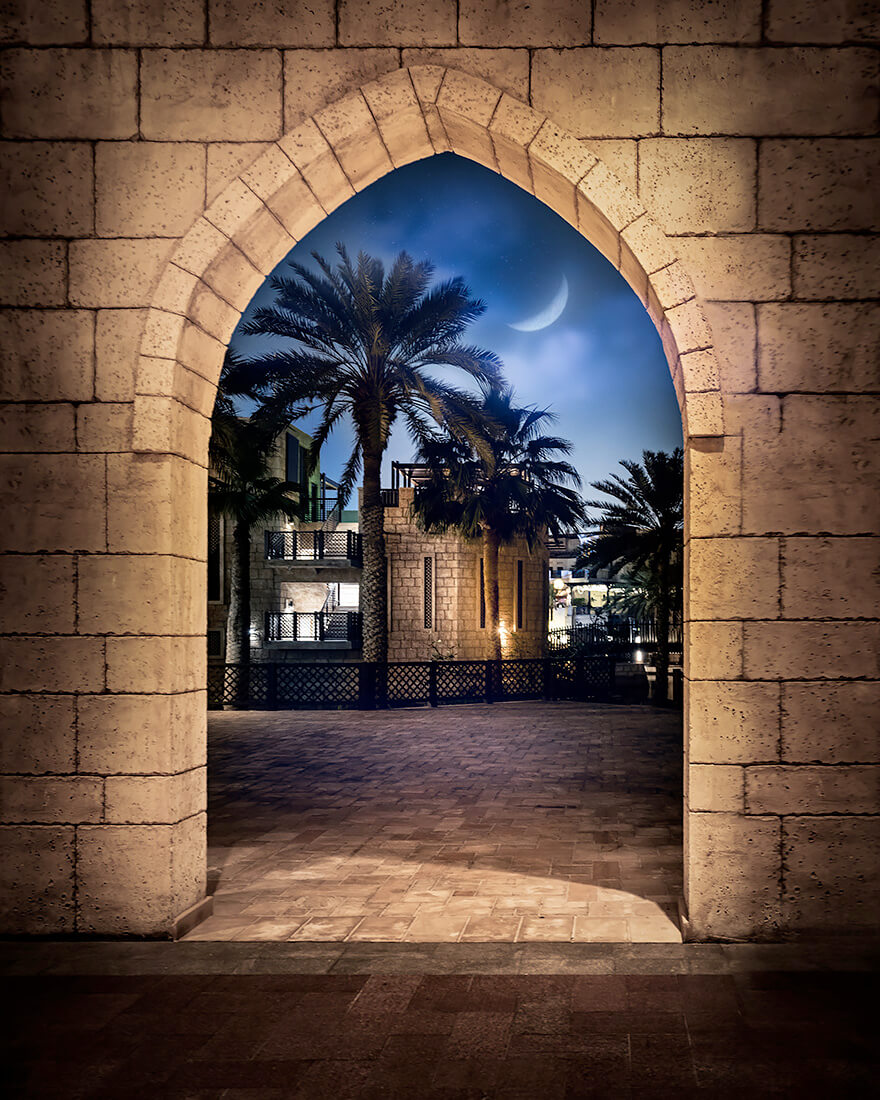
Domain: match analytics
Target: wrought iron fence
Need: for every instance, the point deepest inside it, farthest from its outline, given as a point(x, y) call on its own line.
point(367, 685)
point(618, 639)
point(313, 626)
point(313, 545)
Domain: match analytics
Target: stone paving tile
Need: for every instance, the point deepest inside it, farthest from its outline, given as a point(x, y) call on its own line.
point(519, 821)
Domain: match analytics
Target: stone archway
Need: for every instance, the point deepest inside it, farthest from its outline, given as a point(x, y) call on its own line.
point(408, 115)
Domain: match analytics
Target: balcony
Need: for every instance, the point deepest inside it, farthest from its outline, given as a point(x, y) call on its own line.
point(314, 546)
point(314, 627)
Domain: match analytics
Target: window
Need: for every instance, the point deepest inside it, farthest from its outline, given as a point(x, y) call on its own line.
point(482, 594)
point(293, 459)
point(215, 642)
point(518, 620)
point(429, 594)
point(215, 558)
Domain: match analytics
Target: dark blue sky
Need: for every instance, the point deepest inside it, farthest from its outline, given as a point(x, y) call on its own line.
point(600, 365)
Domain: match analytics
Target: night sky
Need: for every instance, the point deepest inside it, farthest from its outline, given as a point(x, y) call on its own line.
point(599, 365)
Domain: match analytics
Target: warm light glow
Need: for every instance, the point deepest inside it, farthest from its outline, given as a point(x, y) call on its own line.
point(640, 657)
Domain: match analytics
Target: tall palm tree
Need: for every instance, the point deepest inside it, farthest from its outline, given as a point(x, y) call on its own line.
point(515, 486)
point(362, 341)
point(640, 531)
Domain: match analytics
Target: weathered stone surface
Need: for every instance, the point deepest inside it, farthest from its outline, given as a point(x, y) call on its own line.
point(841, 266)
point(806, 789)
point(830, 723)
point(37, 594)
point(734, 578)
point(713, 651)
point(48, 800)
point(135, 184)
point(309, 150)
point(524, 23)
point(397, 22)
point(33, 273)
point(155, 799)
point(505, 69)
point(467, 105)
point(148, 22)
point(811, 650)
point(189, 858)
point(598, 92)
point(831, 872)
point(818, 347)
point(631, 22)
point(138, 486)
point(822, 21)
point(164, 425)
point(140, 594)
point(38, 428)
point(117, 337)
point(72, 488)
point(47, 188)
point(211, 95)
point(37, 879)
point(162, 665)
point(46, 355)
point(827, 578)
point(350, 130)
point(832, 91)
point(57, 23)
point(284, 23)
point(104, 427)
point(751, 267)
point(37, 733)
point(52, 664)
point(124, 879)
point(733, 332)
point(226, 160)
point(817, 185)
point(715, 788)
point(620, 155)
point(712, 487)
point(313, 79)
point(116, 272)
point(734, 874)
point(732, 723)
point(126, 734)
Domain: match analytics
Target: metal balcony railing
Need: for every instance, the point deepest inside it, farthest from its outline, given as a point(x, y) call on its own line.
point(313, 626)
point(313, 545)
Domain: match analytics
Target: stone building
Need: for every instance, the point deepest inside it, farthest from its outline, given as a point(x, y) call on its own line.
point(160, 160)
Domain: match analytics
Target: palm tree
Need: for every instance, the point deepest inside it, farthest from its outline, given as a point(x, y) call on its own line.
point(363, 341)
point(513, 487)
point(640, 531)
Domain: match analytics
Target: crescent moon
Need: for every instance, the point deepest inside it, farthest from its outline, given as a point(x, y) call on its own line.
point(548, 314)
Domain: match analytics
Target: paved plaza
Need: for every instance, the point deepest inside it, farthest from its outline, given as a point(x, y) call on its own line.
point(517, 822)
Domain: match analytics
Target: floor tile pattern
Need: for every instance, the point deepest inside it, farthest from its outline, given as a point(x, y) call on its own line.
point(519, 822)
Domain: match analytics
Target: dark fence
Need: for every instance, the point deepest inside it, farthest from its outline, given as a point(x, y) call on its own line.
point(366, 685)
point(313, 545)
point(313, 626)
point(620, 640)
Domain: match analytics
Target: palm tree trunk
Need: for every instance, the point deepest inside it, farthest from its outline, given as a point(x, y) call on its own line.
point(238, 629)
point(490, 574)
point(374, 595)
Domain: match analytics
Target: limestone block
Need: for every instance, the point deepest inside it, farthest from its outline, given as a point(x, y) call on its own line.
point(512, 127)
point(37, 733)
point(751, 267)
point(831, 872)
point(778, 92)
point(72, 513)
point(828, 578)
point(818, 185)
point(116, 273)
point(734, 578)
point(159, 799)
point(644, 249)
point(712, 487)
point(822, 21)
point(33, 273)
point(139, 734)
point(264, 241)
point(202, 243)
point(396, 109)
point(599, 92)
point(832, 438)
point(807, 789)
point(47, 188)
point(211, 313)
point(189, 861)
point(672, 287)
point(124, 879)
point(505, 69)
point(201, 353)
point(148, 22)
point(37, 880)
point(699, 185)
point(559, 163)
point(733, 722)
point(59, 23)
point(46, 355)
point(163, 332)
point(226, 160)
point(351, 132)
point(211, 95)
point(811, 650)
point(315, 78)
point(140, 594)
point(52, 664)
point(713, 651)
point(699, 370)
point(49, 800)
point(164, 665)
point(295, 206)
point(285, 23)
point(687, 328)
point(61, 93)
point(156, 505)
point(715, 788)
point(397, 22)
point(819, 347)
point(841, 266)
point(308, 149)
point(734, 878)
point(104, 426)
point(234, 277)
point(733, 335)
point(830, 723)
point(466, 105)
point(634, 21)
point(524, 23)
point(238, 202)
point(117, 336)
point(148, 189)
point(165, 376)
point(704, 416)
point(37, 594)
point(165, 425)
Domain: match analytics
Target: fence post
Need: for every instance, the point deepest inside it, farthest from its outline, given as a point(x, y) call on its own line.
point(432, 683)
point(489, 688)
point(367, 685)
point(319, 548)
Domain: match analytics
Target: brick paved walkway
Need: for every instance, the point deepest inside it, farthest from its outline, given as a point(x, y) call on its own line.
point(514, 822)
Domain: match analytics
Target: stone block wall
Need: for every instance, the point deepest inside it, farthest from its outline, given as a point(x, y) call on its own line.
point(158, 162)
